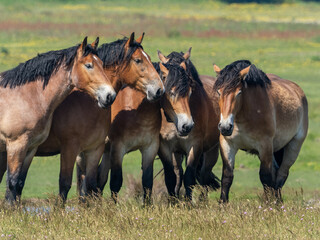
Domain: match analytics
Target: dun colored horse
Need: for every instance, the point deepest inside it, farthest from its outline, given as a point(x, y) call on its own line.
point(263, 115)
point(136, 125)
point(79, 126)
point(203, 138)
point(31, 92)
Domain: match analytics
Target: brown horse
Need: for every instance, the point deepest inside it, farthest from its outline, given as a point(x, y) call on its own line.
point(261, 114)
point(136, 125)
point(204, 137)
point(79, 126)
point(32, 91)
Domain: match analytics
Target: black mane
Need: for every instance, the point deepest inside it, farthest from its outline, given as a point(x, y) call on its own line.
point(177, 77)
point(41, 67)
point(229, 77)
point(177, 58)
point(114, 54)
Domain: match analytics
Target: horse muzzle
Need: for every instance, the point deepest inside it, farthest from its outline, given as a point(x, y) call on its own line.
point(225, 130)
point(105, 96)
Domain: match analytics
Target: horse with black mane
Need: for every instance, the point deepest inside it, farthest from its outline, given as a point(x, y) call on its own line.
point(30, 93)
point(201, 142)
point(142, 130)
point(262, 114)
point(79, 126)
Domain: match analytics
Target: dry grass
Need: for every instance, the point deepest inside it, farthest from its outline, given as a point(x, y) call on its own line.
point(242, 218)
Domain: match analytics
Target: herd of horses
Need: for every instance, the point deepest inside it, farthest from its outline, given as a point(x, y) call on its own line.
point(86, 102)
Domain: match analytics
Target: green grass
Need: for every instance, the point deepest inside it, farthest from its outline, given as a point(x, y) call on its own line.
point(282, 39)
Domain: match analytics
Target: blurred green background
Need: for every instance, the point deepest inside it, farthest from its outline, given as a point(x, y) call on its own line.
point(283, 39)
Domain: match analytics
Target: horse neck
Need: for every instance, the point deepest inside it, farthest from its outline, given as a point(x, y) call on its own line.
point(253, 99)
point(58, 88)
point(114, 77)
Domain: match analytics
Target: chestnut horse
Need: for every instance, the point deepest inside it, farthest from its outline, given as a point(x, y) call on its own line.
point(263, 115)
point(136, 125)
point(31, 92)
point(80, 126)
point(203, 139)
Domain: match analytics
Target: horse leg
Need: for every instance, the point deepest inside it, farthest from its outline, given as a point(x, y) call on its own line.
point(165, 156)
point(267, 174)
point(206, 177)
point(228, 153)
point(92, 163)
point(81, 173)
point(24, 170)
point(3, 164)
point(177, 159)
point(116, 154)
point(190, 174)
point(148, 156)
point(16, 153)
point(68, 155)
point(104, 168)
point(290, 154)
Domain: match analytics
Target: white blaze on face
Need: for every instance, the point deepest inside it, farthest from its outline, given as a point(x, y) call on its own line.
point(143, 52)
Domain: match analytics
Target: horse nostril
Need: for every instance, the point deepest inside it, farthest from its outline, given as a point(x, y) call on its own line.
point(219, 125)
point(159, 92)
point(110, 98)
point(186, 127)
point(230, 126)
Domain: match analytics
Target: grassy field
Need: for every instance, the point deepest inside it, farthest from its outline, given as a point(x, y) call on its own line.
point(282, 39)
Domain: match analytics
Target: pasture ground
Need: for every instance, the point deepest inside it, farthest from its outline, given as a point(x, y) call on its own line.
point(282, 39)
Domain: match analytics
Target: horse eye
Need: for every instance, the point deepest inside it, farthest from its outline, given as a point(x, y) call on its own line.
point(240, 91)
point(89, 65)
point(138, 60)
point(218, 91)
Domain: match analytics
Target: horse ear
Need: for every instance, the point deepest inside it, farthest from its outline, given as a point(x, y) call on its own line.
point(162, 58)
point(139, 40)
point(183, 65)
point(164, 70)
point(82, 47)
point(186, 56)
point(244, 72)
point(216, 69)
point(130, 41)
point(95, 44)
